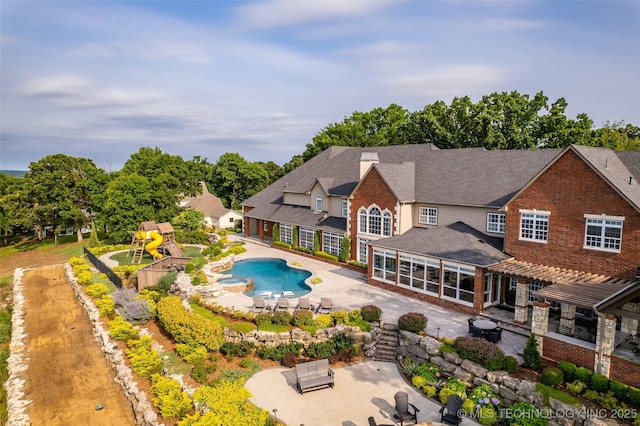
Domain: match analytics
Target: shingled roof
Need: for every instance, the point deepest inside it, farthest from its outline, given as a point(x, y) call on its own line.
point(207, 203)
point(422, 173)
point(457, 242)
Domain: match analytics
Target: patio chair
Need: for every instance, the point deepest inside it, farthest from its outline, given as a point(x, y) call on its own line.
point(449, 412)
point(282, 304)
point(259, 304)
point(303, 304)
point(372, 422)
point(494, 335)
point(403, 408)
point(326, 305)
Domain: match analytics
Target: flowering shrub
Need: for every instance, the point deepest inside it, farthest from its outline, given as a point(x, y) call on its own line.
point(483, 404)
point(323, 321)
point(106, 307)
point(170, 400)
point(479, 350)
point(143, 360)
point(120, 329)
point(414, 322)
point(97, 290)
point(432, 374)
point(132, 308)
point(453, 386)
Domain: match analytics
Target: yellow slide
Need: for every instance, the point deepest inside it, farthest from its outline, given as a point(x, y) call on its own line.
point(152, 247)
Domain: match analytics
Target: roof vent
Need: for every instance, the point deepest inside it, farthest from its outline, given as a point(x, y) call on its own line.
point(630, 179)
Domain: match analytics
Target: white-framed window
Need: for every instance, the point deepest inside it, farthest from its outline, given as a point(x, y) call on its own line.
point(345, 208)
point(362, 218)
point(384, 265)
point(386, 224)
point(319, 202)
point(428, 215)
point(458, 282)
point(603, 232)
point(496, 222)
point(306, 238)
point(331, 243)
point(375, 221)
point(286, 233)
point(363, 250)
point(534, 286)
point(419, 274)
point(534, 225)
point(265, 226)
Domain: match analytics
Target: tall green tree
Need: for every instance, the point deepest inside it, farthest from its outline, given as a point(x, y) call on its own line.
point(129, 202)
point(59, 190)
point(235, 179)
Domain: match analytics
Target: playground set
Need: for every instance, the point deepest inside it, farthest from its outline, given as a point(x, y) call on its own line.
point(158, 239)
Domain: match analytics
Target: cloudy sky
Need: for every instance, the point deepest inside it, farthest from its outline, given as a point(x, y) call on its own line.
point(101, 79)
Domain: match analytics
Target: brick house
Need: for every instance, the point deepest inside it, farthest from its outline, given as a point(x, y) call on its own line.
point(471, 229)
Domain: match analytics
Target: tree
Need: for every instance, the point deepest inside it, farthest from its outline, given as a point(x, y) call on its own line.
point(129, 202)
point(274, 171)
point(618, 136)
point(531, 353)
point(235, 179)
point(59, 190)
point(189, 220)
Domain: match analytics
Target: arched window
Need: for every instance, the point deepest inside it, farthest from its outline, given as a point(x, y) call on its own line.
point(375, 221)
point(386, 223)
point(362, 217)
point(319, 203)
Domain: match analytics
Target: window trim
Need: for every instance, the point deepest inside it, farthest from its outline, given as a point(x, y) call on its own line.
point(381, 221)
point(319, 202)
point(537, 218)
point(500, 223)
point(458, 269)
point(429, 218)
point(345, 208)
point(304, 242)
point(331, 243)
point(286, 230)
point(604, 218)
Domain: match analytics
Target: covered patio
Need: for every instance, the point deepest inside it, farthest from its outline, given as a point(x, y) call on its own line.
point(589, 319)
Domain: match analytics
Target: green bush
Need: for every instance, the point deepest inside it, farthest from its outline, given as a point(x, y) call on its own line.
point(414, 322)
point(323, 321)
point(510, 364)
point(281, 318)
point(531, 353)
point(526, 414)
point(552, 376)
point(242, 327)
point(170, 400)
point(301, 318)
point(323, 255)
point(619, 389)
point(263, 318)
point(584, 375)
point(277, 353)
point(634, 396)
point(97, 290)
point(232, 349)
point(283, 245)
point(340, 317)
point(576, 387)
point(143, 360)
point(371, 313)
point(479, 350)
point(599, 383)
point(568, 369)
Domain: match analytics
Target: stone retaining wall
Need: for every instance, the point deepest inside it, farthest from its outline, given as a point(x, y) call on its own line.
point(510, 389)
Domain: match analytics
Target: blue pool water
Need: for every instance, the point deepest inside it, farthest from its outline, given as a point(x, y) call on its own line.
point(272, 275)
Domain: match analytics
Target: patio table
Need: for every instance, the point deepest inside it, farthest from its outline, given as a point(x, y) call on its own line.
point(485, 324)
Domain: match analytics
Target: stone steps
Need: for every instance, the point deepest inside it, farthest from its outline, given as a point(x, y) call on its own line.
point(387, 346)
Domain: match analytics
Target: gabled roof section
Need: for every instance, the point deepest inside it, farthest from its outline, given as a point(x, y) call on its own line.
point(457, 242)
point(325, 183)
point(401, 179)
point(207, 203)
point(613, 170)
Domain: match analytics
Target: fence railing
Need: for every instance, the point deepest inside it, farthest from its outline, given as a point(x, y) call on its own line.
point(100, 266)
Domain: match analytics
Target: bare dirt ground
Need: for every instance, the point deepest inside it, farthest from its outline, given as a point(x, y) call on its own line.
point(67, 375)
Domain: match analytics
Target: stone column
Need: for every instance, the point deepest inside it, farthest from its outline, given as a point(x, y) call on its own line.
point(540, 322)
point(521, 315)
point(568, 317)
point(605, 343)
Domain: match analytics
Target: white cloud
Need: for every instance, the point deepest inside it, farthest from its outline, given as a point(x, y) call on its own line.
point(511, 24)
point(188, 51)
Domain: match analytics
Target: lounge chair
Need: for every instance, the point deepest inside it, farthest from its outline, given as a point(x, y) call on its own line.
point(450, 412)
point(282, 304)
point(259, 304)
point(287, 294)
point(303, 304)
point(326, 305)
point(403, 408)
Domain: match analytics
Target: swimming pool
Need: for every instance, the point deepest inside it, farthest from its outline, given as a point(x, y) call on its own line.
point(271, 275)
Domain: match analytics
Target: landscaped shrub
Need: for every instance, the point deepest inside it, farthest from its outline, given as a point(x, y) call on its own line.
point(634, 396)
point(132, 308)
point(242, 327)
point(97, 290)
point(432, 374)
point(479, 350)
point(568, 369)
point(584, 375)
point(170, 400)
point(452, 387)
point(263, 318)
point(281, 318)
point(301, 318)
point(552, 376)
point(323, 321)
point(283, 245)
point(345, 249)
point(106, 307)
point(187, 327)
point(165, 282)
point(576, 387)
point(237, 249)
point(414, 322)
point(84, 278)
point(321, 350)
point(119, 329)
point(419, 382)
point(227, 403)
point(510, 364)
point(324, 255)
point(599, 383)
point(277, 353)
point(619, 389)
point(486, 404)
point(340, 317)
point(231, 349)
point(371, 313)
point(143, 360)
point(409, 366)
point(531, 353)
point(526, 414)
